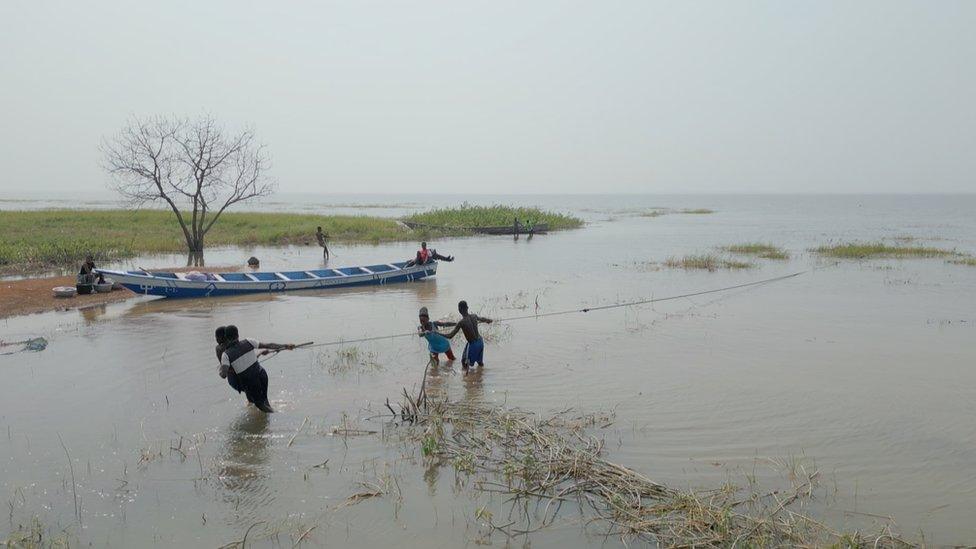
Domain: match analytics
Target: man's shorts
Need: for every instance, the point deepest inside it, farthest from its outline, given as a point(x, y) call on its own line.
point(474, 352)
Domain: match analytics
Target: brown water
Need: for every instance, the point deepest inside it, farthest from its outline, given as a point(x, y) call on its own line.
point(863, 370)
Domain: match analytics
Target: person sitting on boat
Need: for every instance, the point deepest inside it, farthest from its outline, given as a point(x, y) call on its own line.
point(241, 357)
point(474, 349)
point(321, 236)
point(436, 342)
point(87, 274)
point(425, 255)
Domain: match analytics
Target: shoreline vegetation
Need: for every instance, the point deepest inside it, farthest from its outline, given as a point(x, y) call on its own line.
point(38, 240)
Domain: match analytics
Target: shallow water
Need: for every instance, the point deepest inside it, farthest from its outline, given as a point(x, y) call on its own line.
point(863, 370)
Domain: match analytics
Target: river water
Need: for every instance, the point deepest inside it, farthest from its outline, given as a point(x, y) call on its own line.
point(863, 370)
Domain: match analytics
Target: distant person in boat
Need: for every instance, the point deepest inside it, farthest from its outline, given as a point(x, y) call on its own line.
point(221, 336)
point(474, 349)
point(241, 357)
point(253, 262)
point(436, 342)
point(321, 236)
point(425, 255)
point(87, 274)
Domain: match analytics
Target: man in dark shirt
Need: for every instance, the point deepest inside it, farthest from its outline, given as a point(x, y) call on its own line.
point(87, 275)
point(321, 236)
point(240, 356)
point(221, 336)
point(474, 349)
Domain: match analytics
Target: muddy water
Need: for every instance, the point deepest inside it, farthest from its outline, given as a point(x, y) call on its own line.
point(863, 370)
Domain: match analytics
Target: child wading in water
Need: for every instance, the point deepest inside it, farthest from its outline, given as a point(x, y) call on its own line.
point(474, 349)
point(436, 343)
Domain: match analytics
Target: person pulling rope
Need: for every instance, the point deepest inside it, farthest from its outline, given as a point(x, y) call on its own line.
point(572, 311)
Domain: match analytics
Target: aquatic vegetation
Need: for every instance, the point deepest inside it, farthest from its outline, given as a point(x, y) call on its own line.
point(710, 262)
point(863, 250)
point(759, 249)
point(968, 261)
point(540, 462)
point(45, 238)
point(468, 215)
point(347, 359)
point(658, 212)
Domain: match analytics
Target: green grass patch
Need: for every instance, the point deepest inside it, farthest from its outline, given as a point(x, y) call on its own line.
point(48, 238)
point(759, 249)
point(864, 250)
point(709, 262)
point(696, 211)
point(467, 215)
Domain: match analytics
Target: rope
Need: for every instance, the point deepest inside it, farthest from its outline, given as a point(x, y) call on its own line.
point(571, 311)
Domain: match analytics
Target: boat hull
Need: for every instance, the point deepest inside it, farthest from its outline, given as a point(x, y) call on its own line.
point(173, 286)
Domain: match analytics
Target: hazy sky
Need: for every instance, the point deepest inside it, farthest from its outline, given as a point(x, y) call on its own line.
point(526, 97)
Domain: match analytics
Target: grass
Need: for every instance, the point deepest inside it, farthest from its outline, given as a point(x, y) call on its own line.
point(968, 261)
point(710, 262)
point(759, 249)
point(864, 250)
point(46, 238)
point(491, 216)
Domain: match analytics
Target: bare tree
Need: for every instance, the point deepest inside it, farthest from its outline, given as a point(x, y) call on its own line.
point(191, 166)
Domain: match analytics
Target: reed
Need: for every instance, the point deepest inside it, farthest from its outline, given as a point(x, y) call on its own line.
point(709, 262)
point(968, 261)
point(468, 215)
point(864, 250)
point(759, 249)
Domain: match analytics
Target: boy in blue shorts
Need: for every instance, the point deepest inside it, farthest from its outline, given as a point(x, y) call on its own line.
point(436, 343)
point(474, 349)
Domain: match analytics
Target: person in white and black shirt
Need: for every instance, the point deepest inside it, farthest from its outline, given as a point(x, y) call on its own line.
point(240, 356)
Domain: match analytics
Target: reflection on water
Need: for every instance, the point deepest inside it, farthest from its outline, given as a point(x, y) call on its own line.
point(243, 466)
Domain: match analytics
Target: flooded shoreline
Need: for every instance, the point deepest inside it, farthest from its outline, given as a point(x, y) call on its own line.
point(858, 369)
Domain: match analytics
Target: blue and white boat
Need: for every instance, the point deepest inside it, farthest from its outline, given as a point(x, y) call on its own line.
point(169, 284)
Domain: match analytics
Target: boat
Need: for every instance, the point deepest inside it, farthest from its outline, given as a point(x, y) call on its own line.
point(169, 284)
point(538, 228)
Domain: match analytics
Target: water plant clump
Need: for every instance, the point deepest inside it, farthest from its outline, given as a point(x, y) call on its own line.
point(864, 250)
point(759, 249)
point(468, 215)
point(709, 262)
point(967, 261)
point(538, 463)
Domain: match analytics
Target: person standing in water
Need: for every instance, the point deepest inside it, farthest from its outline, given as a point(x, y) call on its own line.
point(474, 349)
point(436, 342)
point(321, 236)
point(240, 356)
point(221, 336)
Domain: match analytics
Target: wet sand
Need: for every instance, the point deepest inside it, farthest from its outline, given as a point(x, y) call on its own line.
point(34, 295)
